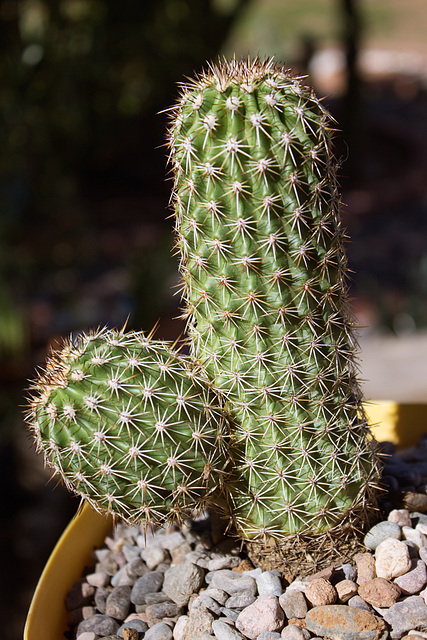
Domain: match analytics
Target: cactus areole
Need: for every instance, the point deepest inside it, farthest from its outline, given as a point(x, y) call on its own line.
point(264, 418)
point(262, 258)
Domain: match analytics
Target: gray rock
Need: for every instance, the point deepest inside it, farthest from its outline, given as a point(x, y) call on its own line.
point(148, 583)
point(122, 578)
point(418, 518)
point(206, 601)
point(380, 532)
point(340, 622)
point(269, 583)
point(231, 581)
point(136, 568)
point(224, 631)
point(269, 635)
point(182, 581)
point(172, 541)
point(230, 613)
point(410, 614)
point(359, 603)
point(163, 567)
point(155, 598)
point(160, 631)
point(240, 600)
point(100, 598)
point(108, 564)
point(156, 612)
point(80, 595)
point(139, 625)
point(217, 594)
point(130, 552)
point(99, 624)
point(118, 603)
point(294, 604)
point(254, 573)
point(348, 571)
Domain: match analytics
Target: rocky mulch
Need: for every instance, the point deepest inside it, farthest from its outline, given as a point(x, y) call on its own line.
point(178, 585)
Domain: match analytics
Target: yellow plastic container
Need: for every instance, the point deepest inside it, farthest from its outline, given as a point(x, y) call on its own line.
point(402, 424)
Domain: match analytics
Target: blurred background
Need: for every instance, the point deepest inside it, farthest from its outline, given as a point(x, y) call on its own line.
point(84, 230)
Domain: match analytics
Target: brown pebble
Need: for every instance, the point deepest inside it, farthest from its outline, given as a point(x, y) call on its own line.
point(325, 573)
point(298, 622)
point(380, 592)
point(346, 589)
point(365, 564)
point(414, 501)
point(245, 565)
point(130, 634)
point(320, 592)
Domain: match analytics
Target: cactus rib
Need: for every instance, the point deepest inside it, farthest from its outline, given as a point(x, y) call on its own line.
point(264, 271)
point(131, 426)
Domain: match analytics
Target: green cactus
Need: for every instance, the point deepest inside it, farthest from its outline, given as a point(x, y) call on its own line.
point(264, 269)
point(265, 418)
point(131, 427)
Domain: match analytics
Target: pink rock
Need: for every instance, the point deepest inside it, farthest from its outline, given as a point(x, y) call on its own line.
point(264, 614)
point(413, 581)
point(400, 517)
point(320, 592)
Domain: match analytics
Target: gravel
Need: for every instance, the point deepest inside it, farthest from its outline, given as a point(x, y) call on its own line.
point(176, 584)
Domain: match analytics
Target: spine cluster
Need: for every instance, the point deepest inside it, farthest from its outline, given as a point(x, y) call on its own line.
point(131, 427)
point(264, 267)
point(265, 416)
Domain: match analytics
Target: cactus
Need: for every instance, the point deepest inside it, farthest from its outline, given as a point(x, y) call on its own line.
point(264, 272)
point(264, 419)
point(131, 426)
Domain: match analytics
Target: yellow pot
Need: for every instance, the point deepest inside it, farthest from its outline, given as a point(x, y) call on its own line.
point(402, 424)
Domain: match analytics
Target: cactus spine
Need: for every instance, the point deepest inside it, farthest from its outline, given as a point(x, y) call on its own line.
point(266, 415)
point(264, 270)
point(131, 426)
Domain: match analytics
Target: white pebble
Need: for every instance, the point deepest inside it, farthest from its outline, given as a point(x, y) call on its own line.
point(179, 628)
point(415, 536)
point(392, 559)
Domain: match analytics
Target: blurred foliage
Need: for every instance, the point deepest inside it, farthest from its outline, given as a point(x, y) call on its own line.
point(76, 74)
point(82, 82)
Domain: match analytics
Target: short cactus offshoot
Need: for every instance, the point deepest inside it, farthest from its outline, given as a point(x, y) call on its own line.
point(130, 426)
point(264, 268)
point(264, 420)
